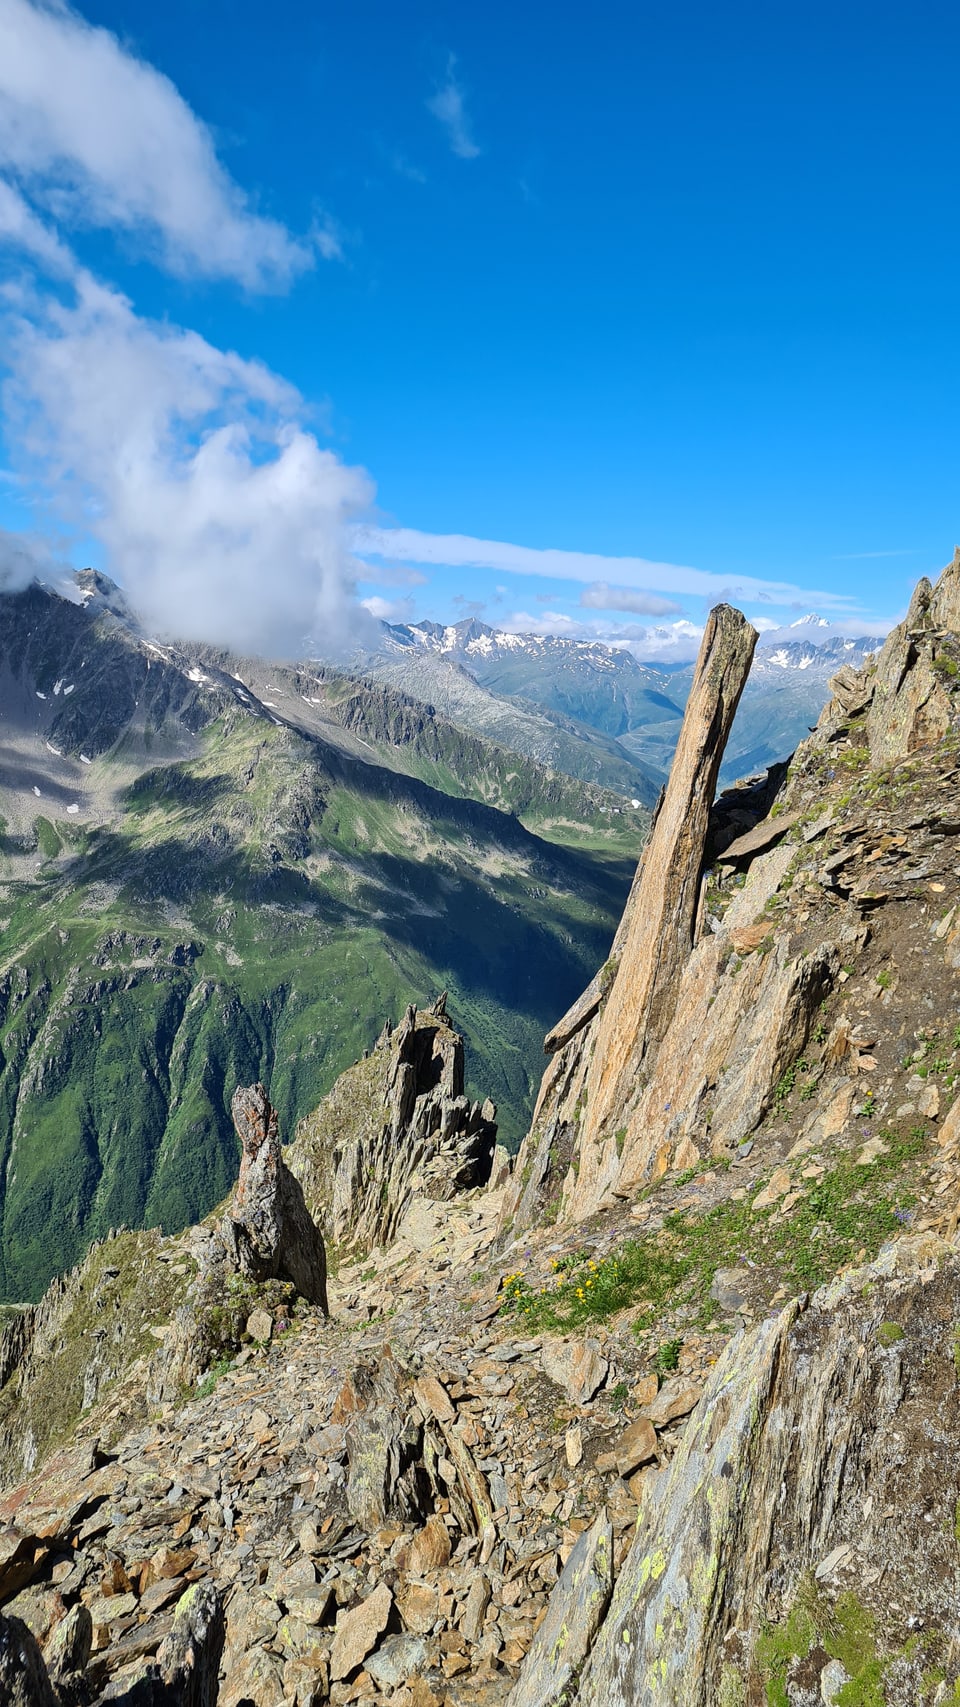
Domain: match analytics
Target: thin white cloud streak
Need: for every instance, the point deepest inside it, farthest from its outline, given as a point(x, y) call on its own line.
point(219, 513)
point(102, 138)
point(863, 556)
point(21, 229)
point(459, 551)
point(601, 596)
point(678, 642)
point(449, 107)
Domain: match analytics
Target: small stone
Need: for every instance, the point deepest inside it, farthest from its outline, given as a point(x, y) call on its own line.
point(312, 1605)
point(729, 1288)
point(645, 1390)
point(575, 1365)
point(869, 1151)
point(473, 1613)
point(68, 1650)
point(419, 1606)
point(430, 1548)
point(636, 1445)
point(260, 1325)
point(832, 1679)
point(433, 1398)
point(777, 1187)
point(675, 1399)
point(398, 1660)
point(928, 1102)
point(110, 1608)
point(573, 1445)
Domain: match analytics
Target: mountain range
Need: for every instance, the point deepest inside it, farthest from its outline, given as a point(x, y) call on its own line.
point(215, 868)
point(625, 714)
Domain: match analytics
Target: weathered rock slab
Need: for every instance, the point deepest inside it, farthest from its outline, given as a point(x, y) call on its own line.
point(573, 1616)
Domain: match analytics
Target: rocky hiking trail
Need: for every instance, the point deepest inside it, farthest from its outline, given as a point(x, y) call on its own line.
point(665, 1411)
point(272, 1487)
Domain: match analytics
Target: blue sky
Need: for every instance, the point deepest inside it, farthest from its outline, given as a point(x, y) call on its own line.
point(671, 288)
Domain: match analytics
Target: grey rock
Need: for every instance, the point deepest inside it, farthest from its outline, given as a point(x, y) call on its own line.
point(398, 1658)
point(268, 1230)
point(737, 1489)
point(395, 1127)
point(189, 1658)
point(23, 1676)
point(832, 1679)
point(574, 1612)
point(68, 1650)
point(730, 1288)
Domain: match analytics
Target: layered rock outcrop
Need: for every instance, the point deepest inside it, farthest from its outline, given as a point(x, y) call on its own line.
point(803, 1491)
point(395, 1126)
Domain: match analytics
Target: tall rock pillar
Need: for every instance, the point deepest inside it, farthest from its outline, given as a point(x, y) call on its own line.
point(586, 1135)
point(656, 949)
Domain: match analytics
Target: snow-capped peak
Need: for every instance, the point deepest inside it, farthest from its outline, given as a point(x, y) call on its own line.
point(812, 620)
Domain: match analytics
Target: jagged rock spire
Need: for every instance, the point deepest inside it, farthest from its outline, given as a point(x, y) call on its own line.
point(268, 1228)
point(395, 1126)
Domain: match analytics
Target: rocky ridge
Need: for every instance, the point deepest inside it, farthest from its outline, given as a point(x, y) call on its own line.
point(684, 1433)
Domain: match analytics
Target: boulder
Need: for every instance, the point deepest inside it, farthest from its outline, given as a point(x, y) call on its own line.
point(577, 1366)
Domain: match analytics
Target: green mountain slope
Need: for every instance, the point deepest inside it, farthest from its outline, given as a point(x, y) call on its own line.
point(252, 905)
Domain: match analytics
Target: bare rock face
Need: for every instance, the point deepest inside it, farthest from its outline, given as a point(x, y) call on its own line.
point(268, 1230)
point(395, 1126)
point(674, 1052)
point(798, 1524)
point(905, 692)
point(576, 1609)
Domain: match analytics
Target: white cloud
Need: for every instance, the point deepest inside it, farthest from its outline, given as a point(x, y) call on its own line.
point(103, 138)
point(389, 610)
point(399, 575)
point(673, 643)
point(449, 107)
point(23, 230)
point(24, 559)
point(220, 514)
point(460, 551)
point(601, 596)
point(326, 235)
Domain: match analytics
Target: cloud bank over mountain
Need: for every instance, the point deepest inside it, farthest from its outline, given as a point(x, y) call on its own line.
point(192, 468)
